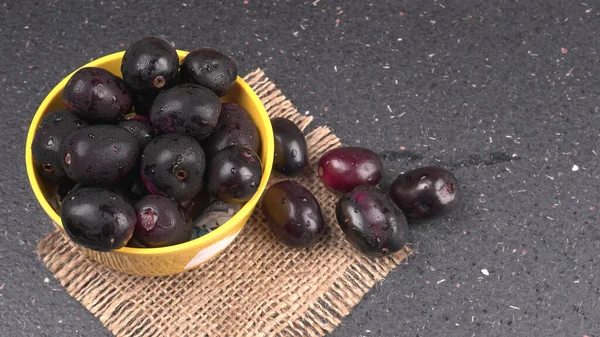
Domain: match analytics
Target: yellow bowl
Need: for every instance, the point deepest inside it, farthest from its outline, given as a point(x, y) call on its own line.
point(181, 257)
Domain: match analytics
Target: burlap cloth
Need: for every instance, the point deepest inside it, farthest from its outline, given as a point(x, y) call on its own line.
point(256, 287)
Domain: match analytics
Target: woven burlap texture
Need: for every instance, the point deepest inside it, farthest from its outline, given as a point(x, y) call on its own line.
point(256, 287)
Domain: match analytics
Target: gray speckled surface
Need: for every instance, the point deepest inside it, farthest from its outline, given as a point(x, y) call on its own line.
point(504, 93)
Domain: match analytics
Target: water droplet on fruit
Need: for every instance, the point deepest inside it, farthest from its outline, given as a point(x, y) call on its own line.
point(162, 109)
point(50, 142)
point(253, 184)
point(371, 225)
point(233, 170)
point(304, 199)
point(283, 201)
point(355, 210)
point(112, 139)
point(91, 135)
point(294, 153)
point(308, 224)
point(378, 239)
point(72, 198)
point(385, 227)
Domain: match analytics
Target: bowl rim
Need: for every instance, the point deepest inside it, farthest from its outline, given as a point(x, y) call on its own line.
point(204, 241)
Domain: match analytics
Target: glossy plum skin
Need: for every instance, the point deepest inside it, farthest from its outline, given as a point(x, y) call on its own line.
point(293, 214)
point(209, 68)
point(291, 153)
point(150, 65)
point(51, 133)
point(235, 127)
point(140, 127)
point(425, 192)
point(234, 174)
point(344, 168)
point(371, 222)
point(96, 95)
point(186, 108)
point(161, 222)
point(97, 218)
point(100, 154)
point(173, 165)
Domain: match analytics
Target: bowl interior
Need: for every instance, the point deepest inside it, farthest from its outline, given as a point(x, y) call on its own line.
point(240, 94)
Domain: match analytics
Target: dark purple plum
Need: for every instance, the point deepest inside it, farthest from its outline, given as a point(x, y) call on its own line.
point(138, 187)
point(100, 154)
point(186, 108)
point(173, 165)
point(371, 222)
point(150, 65)
point(97, 95)
point(195, 206)
point(291, 153)
point(214, 215)
point(209, 68)
point(344, 168)
point(293, 213)
point(50, 134)
point(234, 174)
point(98, 218)
point(235, 127)
point(143, 103)
point(425, 192)
point(161, 222)
point(139, 126)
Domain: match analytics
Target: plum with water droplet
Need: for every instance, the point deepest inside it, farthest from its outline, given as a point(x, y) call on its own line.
point(97, 95)
point(291, 153)
point(173, 165)
point(98, 218)
point(209, 68)
point(150, 65)
point(139, 126)
point(50, 134)
point(161, 222)
point(100, 154)
point(371, 222)
point(293, 213)
point(186, 108)
point(425, 192)
point(235, 127)
point(234, 174)
point(344, 168)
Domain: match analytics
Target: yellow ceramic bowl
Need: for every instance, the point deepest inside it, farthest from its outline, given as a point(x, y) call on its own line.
point(181, 257)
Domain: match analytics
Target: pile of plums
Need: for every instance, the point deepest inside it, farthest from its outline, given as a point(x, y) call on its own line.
point(140, 160)
point(373, 221)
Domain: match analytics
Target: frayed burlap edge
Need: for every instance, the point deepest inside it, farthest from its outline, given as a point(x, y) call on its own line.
point(313, 310)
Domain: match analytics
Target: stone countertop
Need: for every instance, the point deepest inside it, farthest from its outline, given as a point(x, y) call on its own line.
point(503, 93)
